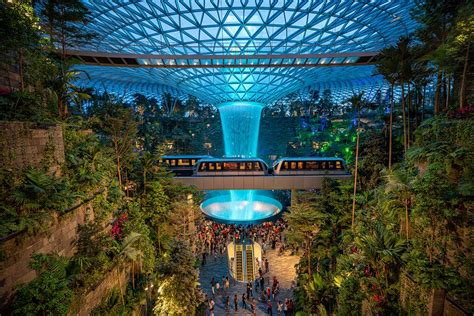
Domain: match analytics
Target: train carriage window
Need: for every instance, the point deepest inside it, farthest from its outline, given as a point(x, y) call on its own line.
point(293, 165)
point(242, 166)
point(285, 165)
point(300, 165)
point(338, 165)
point(218, 166)
point(212, 166)
point(257, 166)
point(203, 166)
point(311, 165)
point(183, 162)
point(231, 166)
point(193, 162)
point(331, 164)
point(173, 162)
point(323, 165)
point(249, 166)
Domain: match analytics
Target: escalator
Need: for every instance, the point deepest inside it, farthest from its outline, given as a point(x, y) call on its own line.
point(239, 272)
point(249, 262)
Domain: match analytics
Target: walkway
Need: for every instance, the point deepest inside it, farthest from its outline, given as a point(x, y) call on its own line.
point(283, 267)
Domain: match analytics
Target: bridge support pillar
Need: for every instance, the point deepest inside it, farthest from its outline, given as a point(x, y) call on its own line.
point(294, 197)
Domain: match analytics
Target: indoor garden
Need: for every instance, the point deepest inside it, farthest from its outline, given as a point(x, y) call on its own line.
point(236, 157)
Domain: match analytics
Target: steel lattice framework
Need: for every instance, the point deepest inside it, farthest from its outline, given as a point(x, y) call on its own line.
point(241, 28)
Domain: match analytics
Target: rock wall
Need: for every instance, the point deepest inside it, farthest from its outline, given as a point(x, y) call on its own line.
point(24, 144)
point(116, 278)
point(17, 249)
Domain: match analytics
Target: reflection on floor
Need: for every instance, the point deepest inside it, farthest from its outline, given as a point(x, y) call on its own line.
point(281, 266)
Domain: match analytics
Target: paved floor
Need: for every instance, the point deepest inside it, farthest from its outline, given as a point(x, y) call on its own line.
point(283, 267)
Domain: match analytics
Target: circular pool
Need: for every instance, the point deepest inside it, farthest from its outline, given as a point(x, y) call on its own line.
point(241, 206)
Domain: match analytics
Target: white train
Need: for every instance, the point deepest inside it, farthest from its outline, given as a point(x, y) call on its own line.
point(309, 166)
point(182, 165)
point(230, 167)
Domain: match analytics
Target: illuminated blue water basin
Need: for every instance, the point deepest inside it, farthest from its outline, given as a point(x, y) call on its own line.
point(243, 206)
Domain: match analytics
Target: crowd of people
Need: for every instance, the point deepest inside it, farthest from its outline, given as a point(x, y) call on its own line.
point(213, 239)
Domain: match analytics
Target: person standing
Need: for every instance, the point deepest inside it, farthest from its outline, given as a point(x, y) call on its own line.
point(249, 290)
point(211, 307)
point(267, 265)
point(254, 307)
point(236, 300)
point(280, 308)
point(227, 304)
point(244, 301)
point(213, 286)
point(269, 307)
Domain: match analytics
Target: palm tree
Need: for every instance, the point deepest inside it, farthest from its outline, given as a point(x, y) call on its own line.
point(404, 77)
point(400, 182)
point(388, 67)
point(305, 223)
point(129, 254)
point(357, 104)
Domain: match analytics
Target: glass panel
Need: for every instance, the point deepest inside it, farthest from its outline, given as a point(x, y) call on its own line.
point(331, 164)
point(230, 166)
point(293, 165)
point(193, 162)
point(338, 165)
point(202, 167)
point(183, 162)
point(300, 165)
point(285, 165)
point(311, 165)
point(242, 166)
point(173, 162)
point(211, 166)
point(257, 166)
point(323, 165)
point(218, 166)
point(249, 166)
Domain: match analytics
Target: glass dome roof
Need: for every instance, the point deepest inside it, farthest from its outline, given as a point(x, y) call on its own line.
point(282, 29)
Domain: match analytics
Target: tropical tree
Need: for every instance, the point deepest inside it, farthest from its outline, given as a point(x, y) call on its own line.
point(357, 102)
point(178, 292)
point(121, 128)
point(63, 21)
point(399, 182)
point(387, 66)
point(304, 222)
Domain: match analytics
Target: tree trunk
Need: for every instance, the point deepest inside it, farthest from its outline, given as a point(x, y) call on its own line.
point(308, 254)
point(408, 115)
point(437, 92)
point(390, 129)
point(404, 118)
point(119, 175)
point(355, 173)
point(423, 104)
point(448, 93)
point(462, 90)
point(407, 221)
point(20, 69)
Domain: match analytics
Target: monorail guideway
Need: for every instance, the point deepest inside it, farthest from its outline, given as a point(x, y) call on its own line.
point(269, 182)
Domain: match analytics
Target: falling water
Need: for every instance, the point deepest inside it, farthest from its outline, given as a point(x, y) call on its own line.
point(240, 125)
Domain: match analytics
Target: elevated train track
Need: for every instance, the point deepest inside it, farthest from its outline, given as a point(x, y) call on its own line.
point(269, 182)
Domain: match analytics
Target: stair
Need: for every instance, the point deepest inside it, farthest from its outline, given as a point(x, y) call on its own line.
point(249, 262)
point(239, 273)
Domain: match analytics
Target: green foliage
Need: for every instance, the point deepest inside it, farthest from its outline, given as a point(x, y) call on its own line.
point(88, 163)
point(178, 293)
point(49, 293)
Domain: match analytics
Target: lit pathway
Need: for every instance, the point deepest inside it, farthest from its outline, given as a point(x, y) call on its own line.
point(283, 267)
